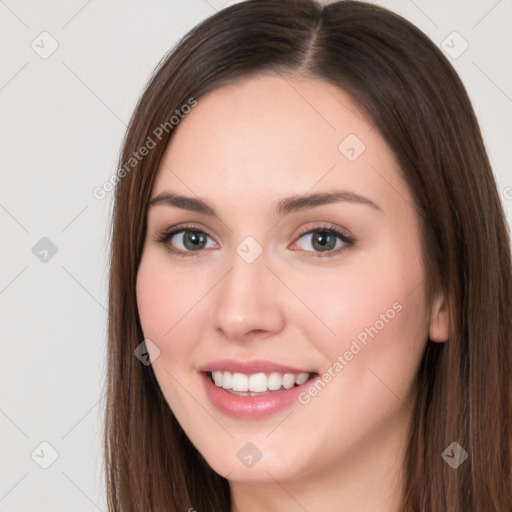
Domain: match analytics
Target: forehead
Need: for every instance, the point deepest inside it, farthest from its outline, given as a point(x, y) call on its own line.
point(271, 136)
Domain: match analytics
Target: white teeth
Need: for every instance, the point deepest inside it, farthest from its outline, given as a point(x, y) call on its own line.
point(258, 382)
point(217, 378)
point(301, 378)
point(240, 382)
point(227, 380)
point(289, 380)
point(274, 381)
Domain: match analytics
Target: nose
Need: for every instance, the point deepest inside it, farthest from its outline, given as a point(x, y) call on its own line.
point(247, 302)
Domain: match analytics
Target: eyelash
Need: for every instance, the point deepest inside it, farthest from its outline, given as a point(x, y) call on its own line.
point(347, 240)
point(165, 236)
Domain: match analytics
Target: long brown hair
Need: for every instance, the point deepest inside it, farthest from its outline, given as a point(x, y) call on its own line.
point(419, 105)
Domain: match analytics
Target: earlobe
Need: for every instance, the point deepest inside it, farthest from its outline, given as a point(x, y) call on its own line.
point(439, 320)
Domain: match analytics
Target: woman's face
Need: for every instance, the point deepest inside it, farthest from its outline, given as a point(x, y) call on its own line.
point(295, 251)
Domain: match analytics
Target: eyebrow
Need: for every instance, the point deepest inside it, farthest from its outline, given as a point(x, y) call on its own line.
point(284, 207)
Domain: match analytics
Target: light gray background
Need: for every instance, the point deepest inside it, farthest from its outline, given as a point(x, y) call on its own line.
point(63, 119)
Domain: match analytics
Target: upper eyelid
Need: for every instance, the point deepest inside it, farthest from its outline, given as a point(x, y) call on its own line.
point(340, 232)
point(324, 227)
point(187, 227)
point(302, 231)
point(346, 238)
point(166, 235)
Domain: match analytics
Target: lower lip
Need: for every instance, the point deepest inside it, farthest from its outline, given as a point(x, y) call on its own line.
point(252, 407)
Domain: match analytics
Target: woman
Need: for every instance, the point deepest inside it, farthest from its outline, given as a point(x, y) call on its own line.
point(311, 288)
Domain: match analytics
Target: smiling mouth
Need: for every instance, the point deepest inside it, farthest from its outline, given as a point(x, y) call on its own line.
point(257, 384)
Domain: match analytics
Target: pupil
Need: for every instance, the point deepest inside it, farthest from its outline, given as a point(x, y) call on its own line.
point(194, 240)
point(323, 241)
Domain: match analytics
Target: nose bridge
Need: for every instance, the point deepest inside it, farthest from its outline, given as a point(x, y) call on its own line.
point(245, 300)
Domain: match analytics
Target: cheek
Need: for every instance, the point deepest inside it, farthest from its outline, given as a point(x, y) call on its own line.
point(165, 298)
point(355, 296)
point(372, 311)
point(170, 308)
point(378, 315)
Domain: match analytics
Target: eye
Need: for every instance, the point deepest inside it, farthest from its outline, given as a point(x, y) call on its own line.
point(184, 239)
point(187, 240)
point(325, 241)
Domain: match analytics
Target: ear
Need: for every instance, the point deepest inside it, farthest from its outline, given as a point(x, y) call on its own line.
point(439, 320)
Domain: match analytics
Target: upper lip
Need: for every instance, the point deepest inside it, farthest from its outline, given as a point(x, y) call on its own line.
point(250, 367)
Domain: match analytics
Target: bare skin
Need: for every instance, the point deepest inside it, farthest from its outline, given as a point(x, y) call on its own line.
point(243, 149)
